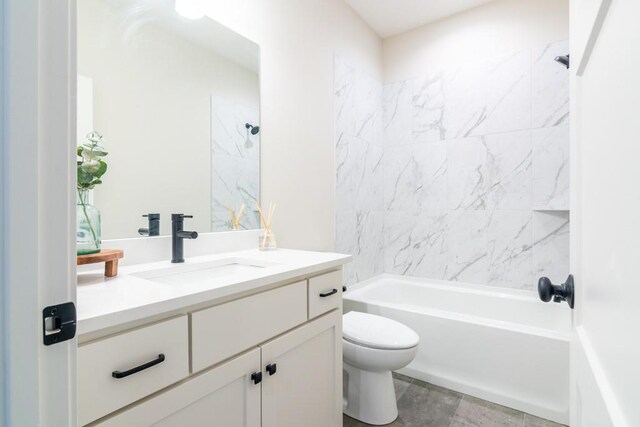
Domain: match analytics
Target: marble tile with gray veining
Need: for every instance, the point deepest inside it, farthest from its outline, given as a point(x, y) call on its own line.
point(397, 112)
point(349, 169)
point(427, 108)
point(347, 242)
point(465, 107)
point(415, 177)
point(370, 261)
point(466, 173)
point(551, 245)
point(368, 182)
point(508, 93)
point(509, 247)
point(234, 181)
point(467, 259)
point(551, 168)
point(235, 159)
point(368, 108)
point(344, 97)
point(550, 86)
point(229, 135)
point(509, 170)
point(360, 234)
point(415, 245)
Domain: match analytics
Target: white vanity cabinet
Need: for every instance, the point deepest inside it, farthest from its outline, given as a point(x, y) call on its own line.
point(271, 359)
point(305, 388)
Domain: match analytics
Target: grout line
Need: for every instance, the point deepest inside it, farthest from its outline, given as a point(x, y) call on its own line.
point(455, 412)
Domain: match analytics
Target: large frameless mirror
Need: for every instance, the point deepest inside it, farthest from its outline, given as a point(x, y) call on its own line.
point(176, 98)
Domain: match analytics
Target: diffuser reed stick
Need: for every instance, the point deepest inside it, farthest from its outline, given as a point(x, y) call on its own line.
point(236, 217)
point(266, 221)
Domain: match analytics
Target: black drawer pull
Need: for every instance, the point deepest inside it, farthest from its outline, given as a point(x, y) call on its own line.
point(119, 374)
point(328, 294)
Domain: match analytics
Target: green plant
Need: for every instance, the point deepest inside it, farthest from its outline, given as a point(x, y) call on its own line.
point(91, 167)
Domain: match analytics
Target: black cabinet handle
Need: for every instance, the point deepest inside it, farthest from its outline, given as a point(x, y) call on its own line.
point(344, 289)
point(328, 294)
point(272, 368)
point(256, 377)
point(122, 374)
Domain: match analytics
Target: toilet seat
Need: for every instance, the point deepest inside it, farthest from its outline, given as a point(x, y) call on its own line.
point(369, 330)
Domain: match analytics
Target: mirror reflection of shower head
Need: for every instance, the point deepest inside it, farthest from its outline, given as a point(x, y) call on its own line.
point(564, 60)
point(253, 129)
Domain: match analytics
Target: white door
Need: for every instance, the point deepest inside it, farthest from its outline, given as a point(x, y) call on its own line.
point(37, 215)
point(605, 210)
point(302, 376)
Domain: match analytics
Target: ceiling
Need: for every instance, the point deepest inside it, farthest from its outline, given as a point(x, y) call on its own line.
point(391, 17)
point(203, 32)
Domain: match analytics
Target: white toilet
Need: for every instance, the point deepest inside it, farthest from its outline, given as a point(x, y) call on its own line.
point(372, 347)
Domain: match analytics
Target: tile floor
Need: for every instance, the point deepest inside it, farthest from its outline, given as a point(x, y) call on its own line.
point(425, 405)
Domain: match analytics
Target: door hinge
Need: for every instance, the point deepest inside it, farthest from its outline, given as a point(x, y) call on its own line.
point(58, 323)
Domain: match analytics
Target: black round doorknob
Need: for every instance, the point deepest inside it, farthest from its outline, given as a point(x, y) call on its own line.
point(559, 293)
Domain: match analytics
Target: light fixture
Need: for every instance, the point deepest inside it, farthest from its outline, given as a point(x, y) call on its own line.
point(188, 9)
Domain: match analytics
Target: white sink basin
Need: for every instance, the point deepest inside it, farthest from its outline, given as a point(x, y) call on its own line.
point(203, 272)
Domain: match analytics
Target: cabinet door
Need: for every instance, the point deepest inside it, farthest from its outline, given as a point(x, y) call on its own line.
point(305, 389)
point(224, 396)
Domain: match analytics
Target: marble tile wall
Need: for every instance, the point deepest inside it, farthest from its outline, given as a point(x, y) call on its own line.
point(475, 171)
point(359, 178)
point(235, 164)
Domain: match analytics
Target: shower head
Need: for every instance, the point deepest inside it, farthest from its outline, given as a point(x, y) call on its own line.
point(564, 60)
point(253, 129)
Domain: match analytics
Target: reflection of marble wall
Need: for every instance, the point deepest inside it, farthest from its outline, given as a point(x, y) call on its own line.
point(359, 185)
point(235, 163)
point(476, 179)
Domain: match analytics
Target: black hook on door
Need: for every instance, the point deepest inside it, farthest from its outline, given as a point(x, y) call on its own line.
point(563, 292)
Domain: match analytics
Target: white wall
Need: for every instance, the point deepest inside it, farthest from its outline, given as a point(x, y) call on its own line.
point(489, 30)
point(297, 40)
point(152, 102)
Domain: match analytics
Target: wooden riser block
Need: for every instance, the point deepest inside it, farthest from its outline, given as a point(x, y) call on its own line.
point(109, 256)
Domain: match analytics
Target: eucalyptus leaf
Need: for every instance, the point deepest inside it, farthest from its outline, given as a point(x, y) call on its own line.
point(101, 169)
point(90, 167)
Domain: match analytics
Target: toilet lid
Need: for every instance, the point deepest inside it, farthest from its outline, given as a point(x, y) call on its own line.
point(374, 331)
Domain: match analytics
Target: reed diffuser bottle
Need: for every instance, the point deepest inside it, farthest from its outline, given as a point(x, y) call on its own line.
point(267, 240)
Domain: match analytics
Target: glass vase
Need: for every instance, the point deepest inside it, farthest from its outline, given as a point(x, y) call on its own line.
point(87, 225)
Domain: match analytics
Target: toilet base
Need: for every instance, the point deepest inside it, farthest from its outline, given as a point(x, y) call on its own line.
point(370, 396)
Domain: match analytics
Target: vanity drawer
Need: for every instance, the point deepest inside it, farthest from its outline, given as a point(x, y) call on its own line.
point(220, 332)
point(325, 293)
point(163, 347)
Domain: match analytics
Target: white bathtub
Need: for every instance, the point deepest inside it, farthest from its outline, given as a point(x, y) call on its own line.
point(501, 345)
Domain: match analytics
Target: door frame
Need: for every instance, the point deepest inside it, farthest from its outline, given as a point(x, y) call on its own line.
point(38, 207)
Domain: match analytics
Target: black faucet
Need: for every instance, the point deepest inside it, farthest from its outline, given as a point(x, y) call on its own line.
point(154, 225)
point(177, 236)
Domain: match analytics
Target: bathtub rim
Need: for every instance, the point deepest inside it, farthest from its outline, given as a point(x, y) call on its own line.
point(461, 287)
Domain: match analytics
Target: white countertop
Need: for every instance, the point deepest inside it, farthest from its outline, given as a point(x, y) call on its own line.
point(109, 302)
